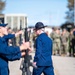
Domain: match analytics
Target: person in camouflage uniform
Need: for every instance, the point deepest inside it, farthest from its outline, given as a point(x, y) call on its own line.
point(34, 36)
point(64, 41)
point(56, 41)
point(70, 42)
point(73, 42)
point(52, 37)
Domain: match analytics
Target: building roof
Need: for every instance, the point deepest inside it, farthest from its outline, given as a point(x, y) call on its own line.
point(15, 15)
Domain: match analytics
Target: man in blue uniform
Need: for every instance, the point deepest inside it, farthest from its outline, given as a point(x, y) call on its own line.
point(9, 53)
point(42, 58)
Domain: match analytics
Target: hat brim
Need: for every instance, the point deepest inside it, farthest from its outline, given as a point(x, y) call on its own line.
point(39, 28)
point(3, 25)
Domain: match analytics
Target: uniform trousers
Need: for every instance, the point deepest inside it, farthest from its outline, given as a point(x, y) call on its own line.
point(4, 71)
point(46, 70)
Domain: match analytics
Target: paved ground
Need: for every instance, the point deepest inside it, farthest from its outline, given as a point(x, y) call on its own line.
point(15, 66)
point(62, 66)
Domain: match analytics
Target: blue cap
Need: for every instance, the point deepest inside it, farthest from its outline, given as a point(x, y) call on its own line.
point(3, 25)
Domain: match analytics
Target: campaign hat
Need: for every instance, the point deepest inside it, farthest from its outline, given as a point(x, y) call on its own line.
point(39, 25)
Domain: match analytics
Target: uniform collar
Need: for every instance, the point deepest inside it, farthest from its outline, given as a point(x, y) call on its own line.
point(42, 34)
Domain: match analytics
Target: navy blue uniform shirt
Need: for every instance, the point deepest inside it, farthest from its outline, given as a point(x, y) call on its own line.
point(8, 52)
point(43, 50)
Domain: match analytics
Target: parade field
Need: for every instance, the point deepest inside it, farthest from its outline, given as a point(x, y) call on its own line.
point(62, 66)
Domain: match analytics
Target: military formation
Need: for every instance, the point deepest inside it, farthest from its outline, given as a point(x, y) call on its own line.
point(63, 42)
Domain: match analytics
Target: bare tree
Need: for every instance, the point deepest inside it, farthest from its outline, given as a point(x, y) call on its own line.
point(70, 12)
point(2, 5)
